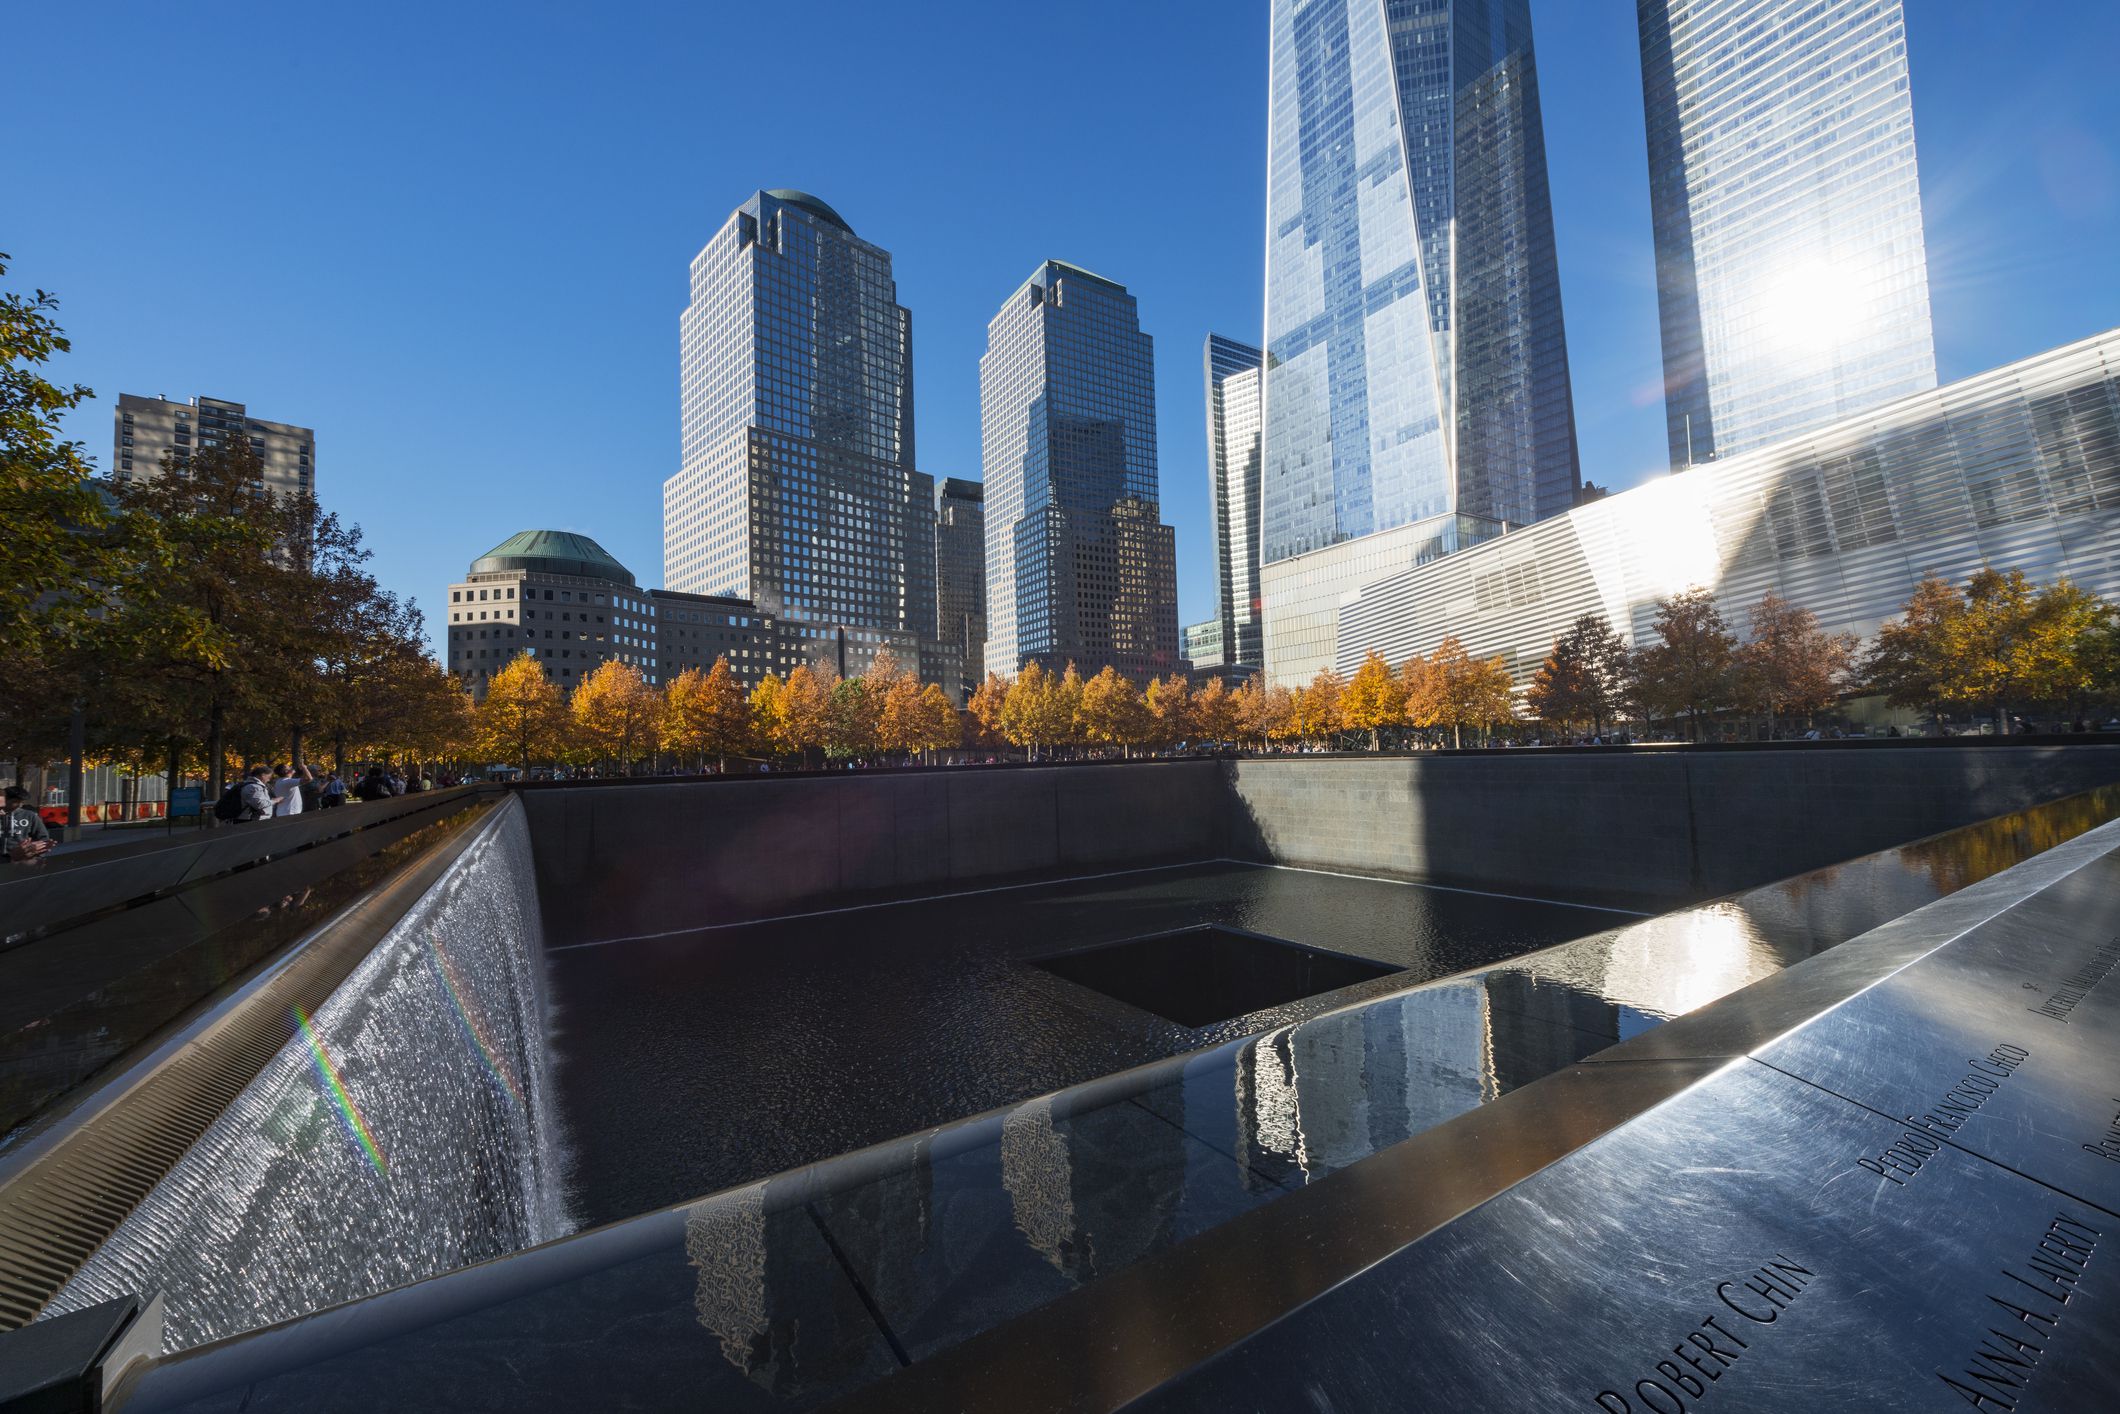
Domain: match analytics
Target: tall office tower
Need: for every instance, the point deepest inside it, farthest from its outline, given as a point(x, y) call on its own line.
point(1233, 374)
point(147, 428)
point(1416, 390)
point(1791, 275)
point(797, 489)
point(960, 581)
point(1079, 567)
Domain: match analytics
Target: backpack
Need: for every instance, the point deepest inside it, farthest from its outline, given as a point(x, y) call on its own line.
point(230, 805)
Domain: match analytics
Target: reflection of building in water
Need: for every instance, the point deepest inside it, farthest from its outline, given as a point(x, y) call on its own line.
point(1669, 966)
point(1540, 1025)
point(1327, 1092)
point(726, 1240)
point(771, 1292)
point(1098, 1191)
point(884, 1227)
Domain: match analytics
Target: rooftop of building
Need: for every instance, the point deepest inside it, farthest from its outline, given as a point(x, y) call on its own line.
point(957, 489)
point(552, 552)
point(816, 206)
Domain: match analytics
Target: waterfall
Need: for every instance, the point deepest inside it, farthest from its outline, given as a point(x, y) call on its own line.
point(406, 1129)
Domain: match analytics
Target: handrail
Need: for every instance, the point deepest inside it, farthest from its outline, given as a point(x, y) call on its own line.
point(65, 890)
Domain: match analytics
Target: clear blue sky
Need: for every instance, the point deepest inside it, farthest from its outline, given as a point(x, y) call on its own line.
point(453, 239)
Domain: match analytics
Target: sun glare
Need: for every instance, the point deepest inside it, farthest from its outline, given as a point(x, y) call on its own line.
point(1817, 305)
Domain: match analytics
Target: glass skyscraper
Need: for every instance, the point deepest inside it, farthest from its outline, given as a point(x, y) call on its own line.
point(960, 582)
point(1233, 372)
point(1079, 567)
point(1792, 277)
point(797, 489)
point(1416, 387)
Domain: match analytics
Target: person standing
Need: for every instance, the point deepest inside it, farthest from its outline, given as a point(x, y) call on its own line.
point(286, 788)
point(374, 786)
point(23, 829)
point(257, 795)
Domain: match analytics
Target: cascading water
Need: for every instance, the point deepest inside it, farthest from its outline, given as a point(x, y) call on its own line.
point(405, 1130)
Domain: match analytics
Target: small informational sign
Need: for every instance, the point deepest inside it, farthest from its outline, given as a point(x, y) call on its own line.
point(187, 800)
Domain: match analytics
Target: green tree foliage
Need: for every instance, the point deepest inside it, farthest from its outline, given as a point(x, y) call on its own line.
point(52, 560)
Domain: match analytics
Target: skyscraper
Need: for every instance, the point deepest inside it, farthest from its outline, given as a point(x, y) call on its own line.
point(797, 489)
point(147, 429)
point(1791, 274)
point(1416, 389)
point(1079, 566)
point(960, 581)
point(1233, 373)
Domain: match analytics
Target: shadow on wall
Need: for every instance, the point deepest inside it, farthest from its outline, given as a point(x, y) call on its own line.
point(1637, 830)
point(623, 861)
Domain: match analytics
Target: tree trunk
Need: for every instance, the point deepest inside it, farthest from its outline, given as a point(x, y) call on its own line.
point(215, 765)
point(1457, 736)
point(76, 748)
point(294, 748)
point(171, 793)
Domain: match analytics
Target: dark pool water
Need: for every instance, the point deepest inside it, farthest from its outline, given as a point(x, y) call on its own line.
point(695, 1062)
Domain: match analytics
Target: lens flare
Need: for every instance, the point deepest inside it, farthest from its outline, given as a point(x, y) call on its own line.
point(475, 1033)
point(335, 1086)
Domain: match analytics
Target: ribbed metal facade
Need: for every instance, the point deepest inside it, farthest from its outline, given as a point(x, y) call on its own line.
point(2018, 468)
point(1233, 374)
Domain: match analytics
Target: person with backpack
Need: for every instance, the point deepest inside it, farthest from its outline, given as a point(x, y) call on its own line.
point(374, 786)
point(246, 799)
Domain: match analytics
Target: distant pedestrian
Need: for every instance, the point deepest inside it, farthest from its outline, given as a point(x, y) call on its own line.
point(286, 789)
point(374, 786)
point(27, 839)
point(333, 793)
point(312, 788)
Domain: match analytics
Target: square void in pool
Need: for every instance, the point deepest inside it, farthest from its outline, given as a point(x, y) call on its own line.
point(1198, 976)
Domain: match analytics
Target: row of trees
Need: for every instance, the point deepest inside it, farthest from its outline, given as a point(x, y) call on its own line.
point(190, 618)
point(1997, 645)
point(617, 720)
point(1044, 712)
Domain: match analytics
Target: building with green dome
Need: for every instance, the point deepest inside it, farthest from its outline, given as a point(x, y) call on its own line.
point(564, 599)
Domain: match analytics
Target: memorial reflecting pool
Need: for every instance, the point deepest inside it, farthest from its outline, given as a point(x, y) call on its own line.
point(692, 1062)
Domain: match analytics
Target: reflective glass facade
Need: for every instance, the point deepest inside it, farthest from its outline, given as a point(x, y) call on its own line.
point(1078, 565)
point(1416, 366)
point(1792, 277)
point(960, 580)
point(797, 489)
point(2018, 469)
point(1233, 373)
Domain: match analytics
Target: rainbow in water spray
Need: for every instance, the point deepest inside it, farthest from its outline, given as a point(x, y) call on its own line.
point(335, 1086)
point(474, 1032)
